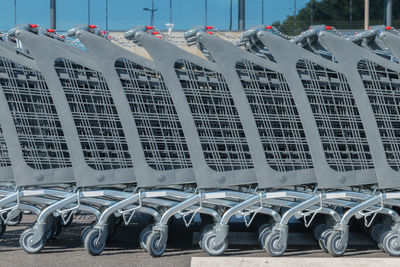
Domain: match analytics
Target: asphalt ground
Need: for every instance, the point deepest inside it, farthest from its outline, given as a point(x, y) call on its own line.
point(124, 250)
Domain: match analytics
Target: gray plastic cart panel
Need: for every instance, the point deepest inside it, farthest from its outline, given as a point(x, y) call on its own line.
point(218, 125)
point(98, 147)
point(329, 94)
point(330, 116)
point(153, 120)
point(100, 132)
point(383, 89)
point(375, 80)
point(32, 130)
point(156, 138)
point(270, 118)
point(6, 174)
point(218, 145)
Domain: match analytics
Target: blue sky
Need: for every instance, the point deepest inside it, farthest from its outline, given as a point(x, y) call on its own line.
point(123, 14)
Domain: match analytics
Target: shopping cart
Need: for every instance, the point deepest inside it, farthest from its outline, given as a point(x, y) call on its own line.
point(164, 169)
point(343, 155)
point(204, 91)
point(279, 127)
point(6, 183)
point(36, 146)
point(374, 79)
point(96, 142)
point(153, 113)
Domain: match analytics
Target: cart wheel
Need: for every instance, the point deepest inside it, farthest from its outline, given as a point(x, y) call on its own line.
point(154, 247)
point(15, 220)
point(380, 246)
point(323, 240)
point(319, 229)
point(144, 234)
point(208, 244)
point(50, 222)
point(333, 244)
point(57, 227)
point(26, 244)
point(261, 222)
point(94, 245)
point(49, 233)
point(391, 243)
point(263, 231)
point(2, 227)
point(381, 238)
point(111, 230)
point(54, 228)
point(69, 221)
point(205, 229)
point(272, 246)
point(85, 232)
point(376, 231)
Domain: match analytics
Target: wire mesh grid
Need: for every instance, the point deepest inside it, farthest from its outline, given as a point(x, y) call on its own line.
point(37, 124)
point(96, 119)
point(4, 157)
point(278, 122)
point(337, 117)
point(383, 89)
point(156, 119)
point(217, 121)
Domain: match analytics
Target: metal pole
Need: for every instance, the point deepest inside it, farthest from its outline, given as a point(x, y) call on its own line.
point(53, 14)
point(366, 15)
point(384, 12)
point(351, 14)
point(389, 12)
point(106, 15)
point(15, 12)
point(205, 11)
point(170, 11)
point(262, 11)
point(311, 12)
point(295, 14)
point(241, 17)
point(152, 10)
point(88, 11)
point(152, 13)
point(230, 16)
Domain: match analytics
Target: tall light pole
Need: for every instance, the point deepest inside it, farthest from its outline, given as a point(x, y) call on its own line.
point(106, 15)
point(311, 12)
point(262, 11)
point(295, 14)
point(52, 14)
point(152, 10)
point(15, 12)
point(88, 11)
point(351, 14)
point(388, 11)
point(205, 12)
point(170, 11)
point(366, 15)
point(230, 16)
point(241, 17)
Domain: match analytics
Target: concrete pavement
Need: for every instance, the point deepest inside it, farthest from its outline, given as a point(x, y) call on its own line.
point(124, 250)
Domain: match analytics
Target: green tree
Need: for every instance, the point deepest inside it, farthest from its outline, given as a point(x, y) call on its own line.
point(337, 13)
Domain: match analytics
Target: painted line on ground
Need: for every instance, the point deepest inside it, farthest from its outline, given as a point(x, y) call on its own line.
point(290, 261)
